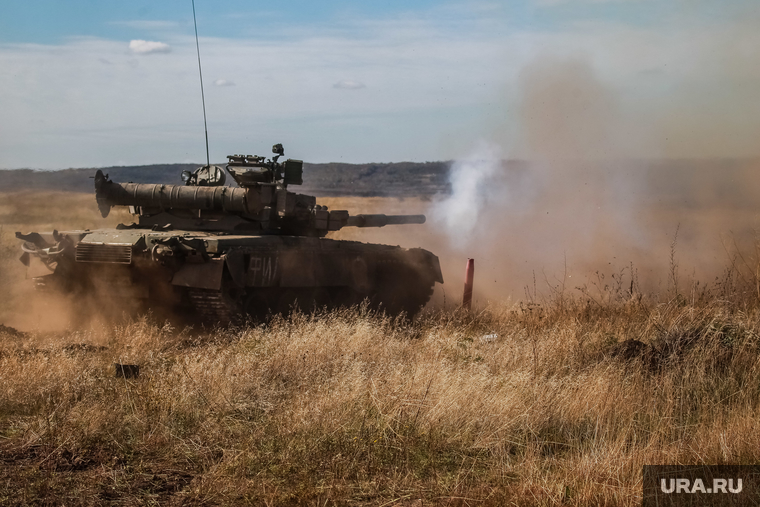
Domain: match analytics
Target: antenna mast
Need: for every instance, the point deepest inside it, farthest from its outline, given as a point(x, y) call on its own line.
point(200, 73)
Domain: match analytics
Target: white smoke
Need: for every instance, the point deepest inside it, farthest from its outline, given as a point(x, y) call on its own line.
point(471, 179)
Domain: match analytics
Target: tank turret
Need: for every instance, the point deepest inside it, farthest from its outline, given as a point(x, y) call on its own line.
point(261, 203)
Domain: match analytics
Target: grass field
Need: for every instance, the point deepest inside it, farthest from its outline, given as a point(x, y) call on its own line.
point(539, 402)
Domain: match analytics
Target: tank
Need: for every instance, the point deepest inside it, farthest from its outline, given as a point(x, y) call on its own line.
point(222, 253)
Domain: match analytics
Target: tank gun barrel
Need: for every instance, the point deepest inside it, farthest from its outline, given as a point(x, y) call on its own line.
point(233, 200)
point(383, 220)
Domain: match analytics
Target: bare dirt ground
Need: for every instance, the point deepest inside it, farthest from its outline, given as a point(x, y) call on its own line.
point(556, 399)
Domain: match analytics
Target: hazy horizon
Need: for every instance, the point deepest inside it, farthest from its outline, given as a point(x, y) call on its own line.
point(705, 160)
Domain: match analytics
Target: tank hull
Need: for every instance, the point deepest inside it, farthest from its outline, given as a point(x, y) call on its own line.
point(221, 278)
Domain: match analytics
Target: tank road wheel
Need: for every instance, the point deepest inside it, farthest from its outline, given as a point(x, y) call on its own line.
point(258, 305)
point(223, 306)
point(401, 288)
point(321, 299)
point(343, 297)
point(298, 298)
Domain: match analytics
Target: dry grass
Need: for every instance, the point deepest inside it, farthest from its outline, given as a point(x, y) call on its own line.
point(352, 408)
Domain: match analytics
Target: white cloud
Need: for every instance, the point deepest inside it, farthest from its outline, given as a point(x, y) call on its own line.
point(347, 84)
point(224, 82)
point(144, 47)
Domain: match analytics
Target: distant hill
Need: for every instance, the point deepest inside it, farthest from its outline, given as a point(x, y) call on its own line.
point(80, 180)
point(732, 182)
point(400, 179)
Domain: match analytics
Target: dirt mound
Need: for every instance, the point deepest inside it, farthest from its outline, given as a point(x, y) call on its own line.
point(673, 345)
point(630, 350)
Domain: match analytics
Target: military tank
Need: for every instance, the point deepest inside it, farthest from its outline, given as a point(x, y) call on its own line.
point(221, 253)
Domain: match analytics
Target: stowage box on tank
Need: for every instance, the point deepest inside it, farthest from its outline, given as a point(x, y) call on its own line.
point(222, 252)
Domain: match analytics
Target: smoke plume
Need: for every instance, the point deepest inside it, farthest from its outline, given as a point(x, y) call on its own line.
point(470, 194)
point(565, 204)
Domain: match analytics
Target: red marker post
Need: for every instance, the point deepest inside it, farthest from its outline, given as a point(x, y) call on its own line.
point(469, 274)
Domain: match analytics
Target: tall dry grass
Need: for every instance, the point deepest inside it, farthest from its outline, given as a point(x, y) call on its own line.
point(355, 408)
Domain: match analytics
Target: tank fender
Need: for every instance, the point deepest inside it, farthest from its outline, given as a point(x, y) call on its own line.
point(203, 275)
point(208, 275)
point(431, 261)
point(436, 268)
point(236, 266)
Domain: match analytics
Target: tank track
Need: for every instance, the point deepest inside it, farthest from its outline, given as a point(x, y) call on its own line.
point(401, 287)
point(212, 306)
point(403, 290)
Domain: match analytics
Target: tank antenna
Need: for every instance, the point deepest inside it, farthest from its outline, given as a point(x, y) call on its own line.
point(200, 73)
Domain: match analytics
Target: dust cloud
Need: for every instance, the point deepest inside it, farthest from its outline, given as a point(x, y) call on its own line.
point(27, 309)
point(568, 206)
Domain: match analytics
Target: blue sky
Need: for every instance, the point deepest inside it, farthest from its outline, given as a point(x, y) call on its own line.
point(94, 83)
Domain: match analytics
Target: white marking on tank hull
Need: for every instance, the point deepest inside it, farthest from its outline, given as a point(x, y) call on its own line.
point(262, 271)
